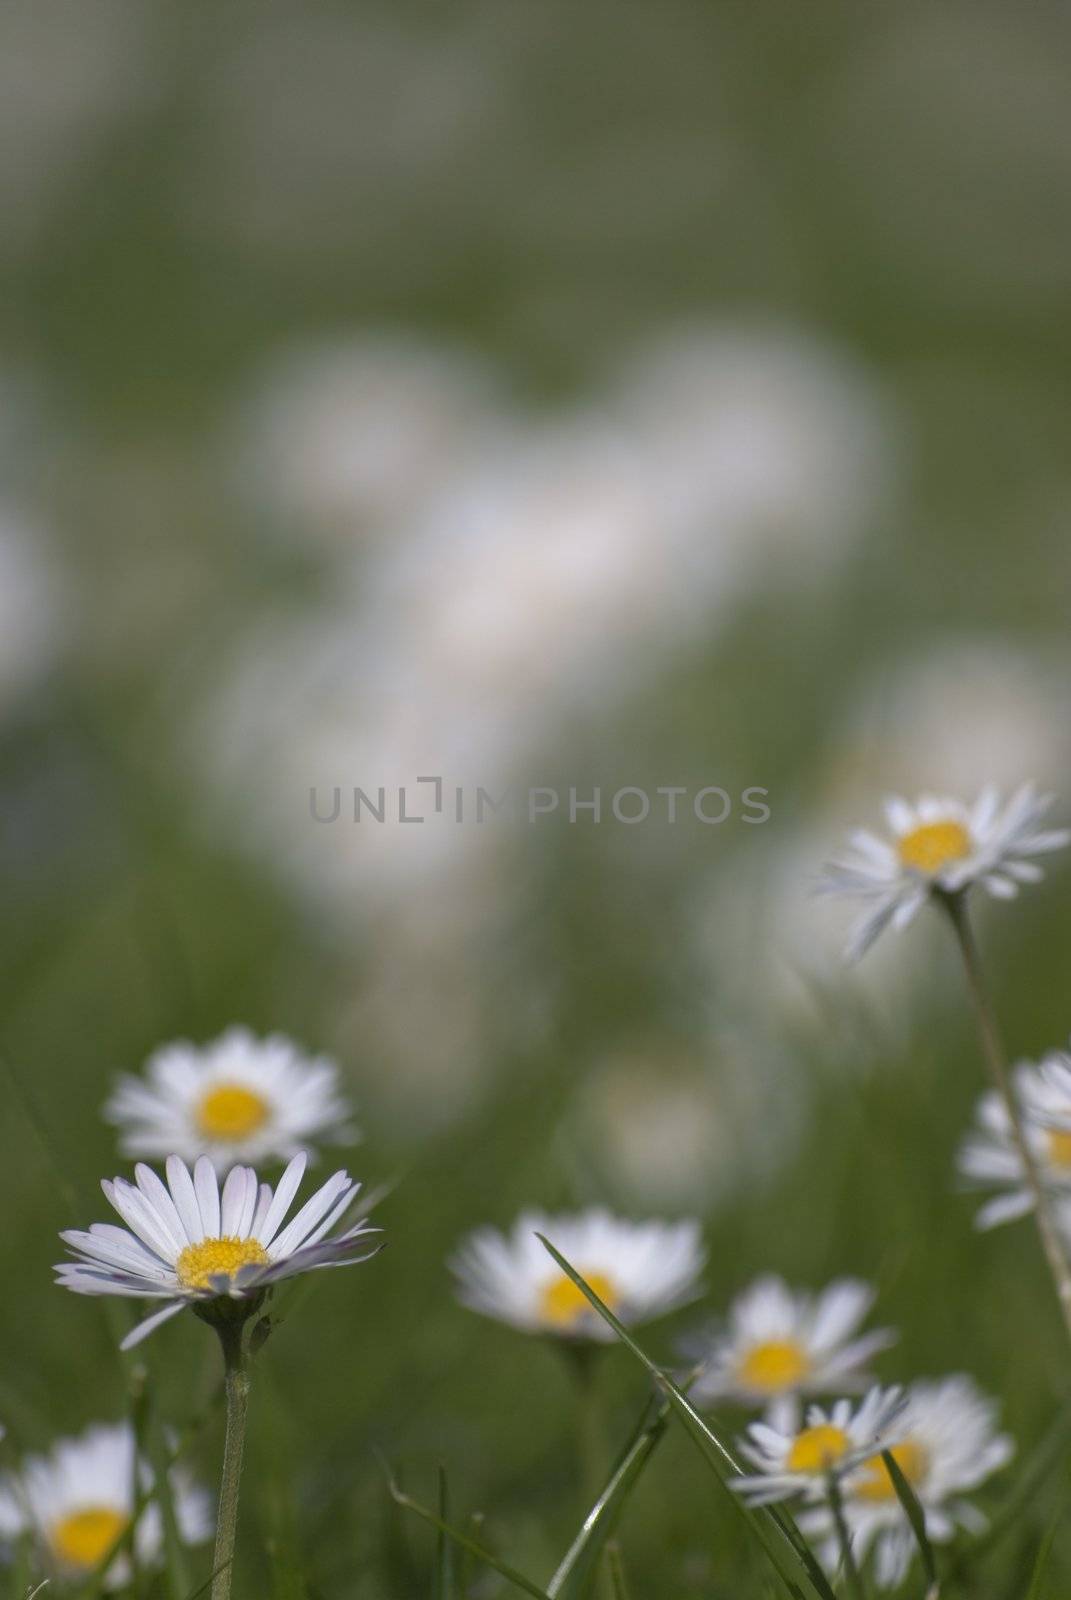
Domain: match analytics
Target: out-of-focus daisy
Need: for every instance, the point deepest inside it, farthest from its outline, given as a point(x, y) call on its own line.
point(947, 1444)
point(187, 1244)
point(799, 1462)
point(239, 1098)
point(79, 1499)
point(781, 1343)
point(988, 1157)
point(941, 844)
point(638, 1269)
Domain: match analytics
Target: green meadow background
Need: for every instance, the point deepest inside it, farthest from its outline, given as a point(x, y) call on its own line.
point(189, 197)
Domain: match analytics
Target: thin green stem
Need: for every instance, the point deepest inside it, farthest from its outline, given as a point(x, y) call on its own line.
point(236, 1389)
point(849, 1564)
point(997, 1064)
point(584, 1360)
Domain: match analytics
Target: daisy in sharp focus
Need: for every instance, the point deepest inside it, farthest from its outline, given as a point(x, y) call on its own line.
point(638, 1269)
point(78, 1500)
point(988, 1157)
point(187, 1244)
point(941, 845)
point(799, 1462)
point(779, 1344)
point(947, 1444)
point(238, 1098)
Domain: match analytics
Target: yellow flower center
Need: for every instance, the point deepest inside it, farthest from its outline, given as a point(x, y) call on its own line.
point(932, 846)
point(775, 1364)
point(84, 1538)
point(200, 1262)
point(817, 1449)
point(876, 1484)
point(562, 1305)
point(231, 1111)
point(1059, 1147)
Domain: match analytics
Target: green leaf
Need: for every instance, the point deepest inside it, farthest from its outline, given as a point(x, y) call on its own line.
point(576, 1573)
point(785, 1547)
point(511, 1574)
point(914, 1514)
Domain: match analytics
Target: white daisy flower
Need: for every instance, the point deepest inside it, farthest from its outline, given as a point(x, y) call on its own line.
point(988, 1157)
point(799, 1461)
point(77, 1500)
point(238, 1098)
point(187, 1244)
point(781, 1343)
point(947, 1444)
point(941, 844)
point(638, 1269)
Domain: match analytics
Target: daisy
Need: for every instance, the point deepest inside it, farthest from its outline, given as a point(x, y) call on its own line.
point(187, 1244)
point(941, 845)
point(638, 1269)
point(988, 1157)
point(780, 1343)
point(798, 1462)
point(947, 1444)
point(238, 1098)
point(78, 1500)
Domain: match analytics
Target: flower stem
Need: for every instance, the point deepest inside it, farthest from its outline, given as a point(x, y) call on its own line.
point(591, 1446)
point(849, 1566)
point(997, 1065)
point(236, 1387)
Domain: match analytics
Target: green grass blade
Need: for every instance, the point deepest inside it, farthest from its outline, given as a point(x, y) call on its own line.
point(785, 1547)
point(518, 1579)
point(914, 1514)
point(576, 1574)
point(1041, 1565)
point(849, 1565)
point(445, 1586)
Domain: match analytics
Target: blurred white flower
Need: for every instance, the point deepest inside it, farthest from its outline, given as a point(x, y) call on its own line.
point(238, 1098)
point(78, 1500)
point(678, 1131)
point(779, 1344)
point(342, 443)
point(768, 452)
point(534, 566)
point(639, 1270)
point(989, 1158)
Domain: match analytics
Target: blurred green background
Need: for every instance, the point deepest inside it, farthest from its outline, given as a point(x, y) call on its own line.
point(525, 393)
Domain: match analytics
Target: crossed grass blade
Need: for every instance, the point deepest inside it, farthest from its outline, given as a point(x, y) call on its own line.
point(915, 1515)
point(784, 1545)
point(464, 1542)
point(576, 1574)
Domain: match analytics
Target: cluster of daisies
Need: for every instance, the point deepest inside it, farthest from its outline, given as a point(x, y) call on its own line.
point(776, 1352)
point(208, 1234)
